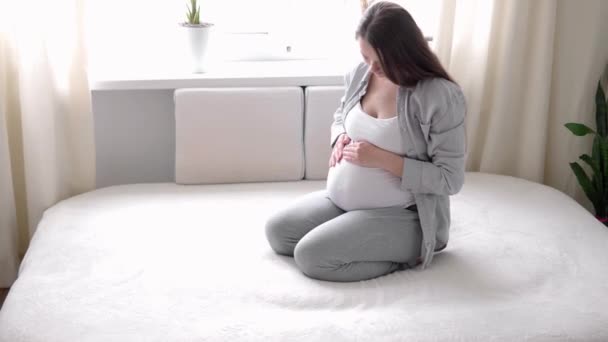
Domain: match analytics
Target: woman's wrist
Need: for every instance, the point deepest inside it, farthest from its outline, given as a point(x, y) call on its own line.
point(393, 163)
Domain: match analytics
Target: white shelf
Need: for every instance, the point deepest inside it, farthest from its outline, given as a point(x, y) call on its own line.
point(227, 74)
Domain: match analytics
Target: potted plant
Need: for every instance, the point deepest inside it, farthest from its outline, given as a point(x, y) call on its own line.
point(198, 36)
point(596, 187)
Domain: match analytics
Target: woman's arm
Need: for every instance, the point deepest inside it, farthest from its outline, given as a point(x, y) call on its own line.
point(445, 137)
point(351, 79)
point(337, 127)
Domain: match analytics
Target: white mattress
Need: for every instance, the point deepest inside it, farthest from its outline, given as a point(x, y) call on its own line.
point(190, 263)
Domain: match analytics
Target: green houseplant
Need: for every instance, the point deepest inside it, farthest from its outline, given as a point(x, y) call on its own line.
point(596, 186)
point(193, 16)
point(198, 36)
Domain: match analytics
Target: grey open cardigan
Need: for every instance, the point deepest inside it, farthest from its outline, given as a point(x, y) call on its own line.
point(431, 116)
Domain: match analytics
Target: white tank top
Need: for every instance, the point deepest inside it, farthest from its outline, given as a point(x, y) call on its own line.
point(353, 187)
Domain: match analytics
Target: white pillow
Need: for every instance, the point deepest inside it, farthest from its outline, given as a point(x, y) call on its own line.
point(232, 135)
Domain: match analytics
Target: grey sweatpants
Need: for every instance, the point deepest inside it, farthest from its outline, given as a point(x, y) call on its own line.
point(328, 243)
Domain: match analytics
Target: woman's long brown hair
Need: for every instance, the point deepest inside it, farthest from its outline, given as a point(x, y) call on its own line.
point(404, 53)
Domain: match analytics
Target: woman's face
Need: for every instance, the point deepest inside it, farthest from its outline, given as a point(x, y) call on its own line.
point(370, 57)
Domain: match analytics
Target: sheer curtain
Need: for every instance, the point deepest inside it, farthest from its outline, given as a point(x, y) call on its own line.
point(8, 215)
point(46, 132)
point(527, 68)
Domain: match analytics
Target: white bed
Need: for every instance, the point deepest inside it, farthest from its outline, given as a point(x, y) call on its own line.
point(156, 262)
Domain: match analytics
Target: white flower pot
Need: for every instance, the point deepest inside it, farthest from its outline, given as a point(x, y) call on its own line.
point(198, 39)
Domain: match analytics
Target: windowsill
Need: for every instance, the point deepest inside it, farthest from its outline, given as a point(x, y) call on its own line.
point(227, 74)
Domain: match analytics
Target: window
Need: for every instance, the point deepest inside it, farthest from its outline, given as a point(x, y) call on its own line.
point(140, 34)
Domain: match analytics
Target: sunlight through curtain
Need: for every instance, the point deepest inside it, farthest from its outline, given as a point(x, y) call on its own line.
point(46, 132)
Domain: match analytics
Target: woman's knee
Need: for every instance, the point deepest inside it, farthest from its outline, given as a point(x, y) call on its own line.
point(278, 234)
point(312, 260)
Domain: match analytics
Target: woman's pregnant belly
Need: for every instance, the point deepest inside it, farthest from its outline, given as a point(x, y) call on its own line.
point(353, 187)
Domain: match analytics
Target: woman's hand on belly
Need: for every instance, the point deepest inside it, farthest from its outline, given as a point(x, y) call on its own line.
point(366, 154)
point(336, 153)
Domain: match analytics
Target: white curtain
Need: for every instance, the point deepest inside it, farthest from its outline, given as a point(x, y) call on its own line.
point(527, 68)
point(8, 217)
point(46, 132)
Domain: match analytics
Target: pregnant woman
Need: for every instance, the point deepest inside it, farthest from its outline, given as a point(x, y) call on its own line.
point(398, 142)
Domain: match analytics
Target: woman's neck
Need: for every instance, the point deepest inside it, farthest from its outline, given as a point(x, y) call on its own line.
point(383, 82)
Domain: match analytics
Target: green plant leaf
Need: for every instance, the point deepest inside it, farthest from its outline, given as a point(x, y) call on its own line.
point(600, 113)
point(597, 179)
point(192, 12)
point(189, 14)
point(585, 183)
point(594, 166)
point(603, 142)
point(595, 152)
point(579, 129)
point(598, 159)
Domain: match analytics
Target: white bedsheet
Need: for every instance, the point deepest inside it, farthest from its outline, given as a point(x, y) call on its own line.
point(191, 263)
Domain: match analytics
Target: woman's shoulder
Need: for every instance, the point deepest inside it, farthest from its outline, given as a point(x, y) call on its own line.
point(438, 88)
point(435, 96)
point(356, 73)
